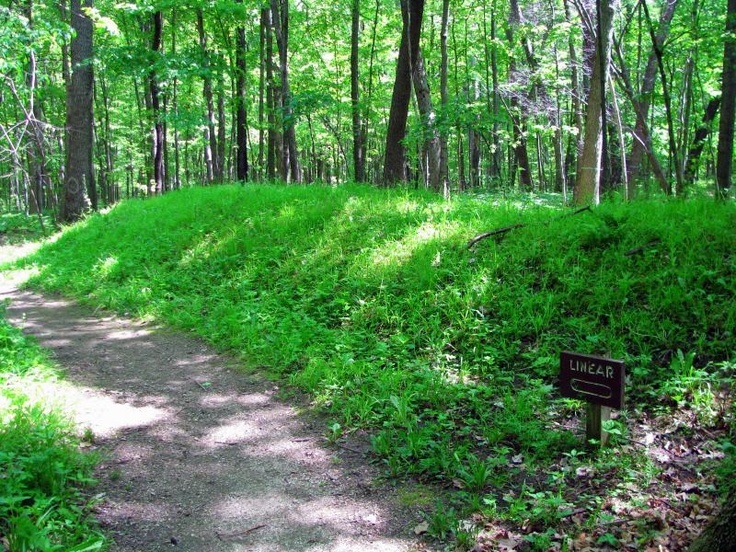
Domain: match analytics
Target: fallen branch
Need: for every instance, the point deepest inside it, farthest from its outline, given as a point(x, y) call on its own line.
point(642, 248)
point(497, 232)
point(505, 229)
point(237, 534)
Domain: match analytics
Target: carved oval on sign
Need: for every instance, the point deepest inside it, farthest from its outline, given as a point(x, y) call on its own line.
point(597, 390)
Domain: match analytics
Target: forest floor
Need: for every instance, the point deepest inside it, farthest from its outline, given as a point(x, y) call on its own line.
point(198, 455)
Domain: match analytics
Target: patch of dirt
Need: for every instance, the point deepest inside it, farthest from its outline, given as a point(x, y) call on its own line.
point(201, 457)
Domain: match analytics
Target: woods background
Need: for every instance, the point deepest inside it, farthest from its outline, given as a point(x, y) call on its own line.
point(105, 100)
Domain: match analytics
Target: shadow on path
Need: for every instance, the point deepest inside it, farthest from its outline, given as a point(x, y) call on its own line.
point(197, 456)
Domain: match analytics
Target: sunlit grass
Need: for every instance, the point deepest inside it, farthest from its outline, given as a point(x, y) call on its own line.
point(371, 301)
point(42, 506)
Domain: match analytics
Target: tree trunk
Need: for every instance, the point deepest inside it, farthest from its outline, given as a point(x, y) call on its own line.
point(698, 143)
point(80, 120)
point(280, 16)
point(241, 131)
point(519, 131)
point(724, 162)
point(394, 167)
point(720, 534)
point(210, 138)
point(176, 180)
point(157, 150)
point(431, 146)
point(643, 100)
point(444, 99)
point(588, 177)
point(358, 142)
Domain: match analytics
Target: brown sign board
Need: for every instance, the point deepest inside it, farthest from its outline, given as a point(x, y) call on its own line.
point(594, 379)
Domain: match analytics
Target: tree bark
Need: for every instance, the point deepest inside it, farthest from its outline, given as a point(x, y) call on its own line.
point(210, 137)
point(724, 162)
point(394, 167)
point(643, 100)
point(280, 16)
point(431, 146)
point(588, 177)
point(80, 120)
point(519, 131)
point(358, 142)
point(241, 131)
point(157, 150)
point(444, 99)
point(698, 143)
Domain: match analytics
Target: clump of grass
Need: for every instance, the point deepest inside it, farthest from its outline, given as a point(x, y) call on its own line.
point(371, 301)
point(44, 473)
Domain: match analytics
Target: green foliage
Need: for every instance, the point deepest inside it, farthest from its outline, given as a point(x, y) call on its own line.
point(371, 302)
point(44, 473)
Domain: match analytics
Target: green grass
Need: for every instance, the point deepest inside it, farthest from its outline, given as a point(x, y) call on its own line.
point(43, 474)
point(371, 301)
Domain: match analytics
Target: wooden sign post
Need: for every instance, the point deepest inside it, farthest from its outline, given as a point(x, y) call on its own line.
point(597, 380)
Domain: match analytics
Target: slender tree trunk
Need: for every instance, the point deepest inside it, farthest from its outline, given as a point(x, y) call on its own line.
point(210, 137)
point(444, 98)
point(588, 178)
point(519, 131)
point(394, 167)
point(431, 146)
point(176, 180)
point(275, 139)
point(158, 125)
point(724, 161)
point(657, 47)
point(241, 131)
point(573, 145)
point(638, 148)
point(698, 143)
point(219, 165)
point(80, 120)
point(358, 144)
point(280, 15)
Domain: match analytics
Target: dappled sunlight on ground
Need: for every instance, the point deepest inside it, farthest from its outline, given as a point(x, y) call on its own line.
point(196, 454)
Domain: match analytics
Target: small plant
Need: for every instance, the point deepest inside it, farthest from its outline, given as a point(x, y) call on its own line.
point(443, 522)
point(334, 432)
point(475, 474)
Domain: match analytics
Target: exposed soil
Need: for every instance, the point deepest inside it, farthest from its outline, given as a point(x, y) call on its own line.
point(199, 456)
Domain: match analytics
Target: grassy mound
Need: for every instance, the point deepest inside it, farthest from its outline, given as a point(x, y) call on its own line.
point(372, 302)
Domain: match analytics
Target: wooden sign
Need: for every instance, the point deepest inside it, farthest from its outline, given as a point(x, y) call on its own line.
point(594, 379)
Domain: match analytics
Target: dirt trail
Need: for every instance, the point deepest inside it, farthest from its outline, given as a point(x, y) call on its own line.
point(199, 457)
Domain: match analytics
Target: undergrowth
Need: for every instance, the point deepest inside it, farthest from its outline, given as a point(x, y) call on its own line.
point(372, 302)
point(43, 474)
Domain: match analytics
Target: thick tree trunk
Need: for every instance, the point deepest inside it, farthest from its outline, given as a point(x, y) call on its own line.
point(588, 177)
point(724, 162)
point(394, 167)
point(80, 120)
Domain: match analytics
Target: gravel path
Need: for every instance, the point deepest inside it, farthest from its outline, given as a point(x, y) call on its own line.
point(199, 457)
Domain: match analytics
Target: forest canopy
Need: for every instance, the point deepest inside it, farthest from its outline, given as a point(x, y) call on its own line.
point(104, 100)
